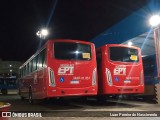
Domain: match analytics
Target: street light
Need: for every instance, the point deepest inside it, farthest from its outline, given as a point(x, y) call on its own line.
point(42, 34)
point(154, 20)
point(130, 43)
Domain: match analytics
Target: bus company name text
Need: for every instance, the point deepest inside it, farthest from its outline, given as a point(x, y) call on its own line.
point(66, 69)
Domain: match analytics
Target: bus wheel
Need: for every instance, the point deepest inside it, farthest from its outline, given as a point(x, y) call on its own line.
point(30, 96)
point(4, 91)
point(102, 99)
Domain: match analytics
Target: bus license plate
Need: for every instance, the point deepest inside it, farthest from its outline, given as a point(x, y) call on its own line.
point(74, 81)
point(127, 81)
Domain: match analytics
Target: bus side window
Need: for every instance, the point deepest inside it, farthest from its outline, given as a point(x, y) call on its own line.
point(24, 70)
point(30, 66)
point(44, 58)
point(27, 68)
point(35, 63)
point(39, 61)
point(20, 73)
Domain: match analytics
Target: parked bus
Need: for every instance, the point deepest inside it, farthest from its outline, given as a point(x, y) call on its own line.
point(8, 83)
point(120, 70)
point(60, 68)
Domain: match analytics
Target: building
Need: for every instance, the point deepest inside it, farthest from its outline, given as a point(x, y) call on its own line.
point(9, 68)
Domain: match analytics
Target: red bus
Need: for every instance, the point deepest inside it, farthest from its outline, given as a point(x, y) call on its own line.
point(60, 68)
point(120, 70)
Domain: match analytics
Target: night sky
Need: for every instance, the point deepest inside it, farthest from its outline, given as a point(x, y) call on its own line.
point(71, 19)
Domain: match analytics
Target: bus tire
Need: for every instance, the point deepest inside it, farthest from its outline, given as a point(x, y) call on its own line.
point(102, 98)
point(4, 91)
point(30, 96)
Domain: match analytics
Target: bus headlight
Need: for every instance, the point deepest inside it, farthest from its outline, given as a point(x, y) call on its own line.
point(94, 77)
point(109, 77)
point(51, 77)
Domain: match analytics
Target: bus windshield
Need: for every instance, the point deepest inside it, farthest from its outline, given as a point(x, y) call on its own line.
point(123, 54)
point(72, 51)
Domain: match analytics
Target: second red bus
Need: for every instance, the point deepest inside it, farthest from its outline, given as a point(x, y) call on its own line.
point(120, 70)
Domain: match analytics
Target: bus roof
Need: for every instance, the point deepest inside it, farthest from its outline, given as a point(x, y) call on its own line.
point(69, 40)
point(120, 45)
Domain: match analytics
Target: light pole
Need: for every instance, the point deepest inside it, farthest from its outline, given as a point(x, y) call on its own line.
point(10, 70)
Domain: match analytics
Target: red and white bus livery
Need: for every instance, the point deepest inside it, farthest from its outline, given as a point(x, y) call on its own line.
point(60, 68)
point(120, 69)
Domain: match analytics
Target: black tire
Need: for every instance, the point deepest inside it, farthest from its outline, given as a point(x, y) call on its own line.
point(19, 93)
point(83, 99)
point(4, 91)
point(102, 98)
point(30, 96)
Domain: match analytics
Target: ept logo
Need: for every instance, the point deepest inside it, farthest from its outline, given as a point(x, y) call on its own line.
point(66, 69)
point(120, 70)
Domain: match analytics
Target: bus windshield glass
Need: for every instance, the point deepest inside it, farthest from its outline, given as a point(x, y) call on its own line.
point(72, 51)
point(123, 54)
